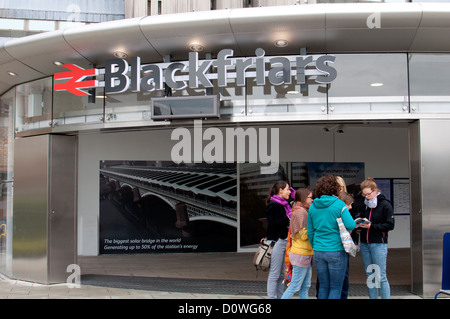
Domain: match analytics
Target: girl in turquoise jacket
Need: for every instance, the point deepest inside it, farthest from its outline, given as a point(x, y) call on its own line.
point(323, 230)
point(329, 256)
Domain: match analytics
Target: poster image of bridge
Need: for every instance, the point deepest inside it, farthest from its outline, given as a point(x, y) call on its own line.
point(163, 207)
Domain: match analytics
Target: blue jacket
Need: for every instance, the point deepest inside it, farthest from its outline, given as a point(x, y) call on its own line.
point(323, 230)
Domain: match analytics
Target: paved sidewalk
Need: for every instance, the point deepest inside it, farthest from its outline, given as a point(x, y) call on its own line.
point(16, 289)
point(187, 276)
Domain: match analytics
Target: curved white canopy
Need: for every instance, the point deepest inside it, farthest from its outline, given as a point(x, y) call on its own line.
point(321, 28)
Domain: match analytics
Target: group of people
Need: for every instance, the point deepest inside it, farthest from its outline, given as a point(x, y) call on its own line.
point(310, 219)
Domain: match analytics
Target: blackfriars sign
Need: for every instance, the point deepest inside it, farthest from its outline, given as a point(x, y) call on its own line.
point(121, 76)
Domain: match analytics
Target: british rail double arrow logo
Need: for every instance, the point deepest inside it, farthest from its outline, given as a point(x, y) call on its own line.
point(76, 81)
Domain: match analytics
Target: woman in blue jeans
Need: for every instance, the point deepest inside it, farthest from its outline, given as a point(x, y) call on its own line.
point(278, 212)
point(374, 234)
point(330, 258)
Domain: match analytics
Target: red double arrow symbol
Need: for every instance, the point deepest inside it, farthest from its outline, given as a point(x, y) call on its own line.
point(76, 77)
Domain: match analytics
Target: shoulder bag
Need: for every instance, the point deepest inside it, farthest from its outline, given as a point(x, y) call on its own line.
point(346, 239)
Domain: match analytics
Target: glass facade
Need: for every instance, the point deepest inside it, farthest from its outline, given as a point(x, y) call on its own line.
point(7, 102)
point(378, 86)
point(34, 105)
point(70, 109)
point(369, 83)
point(286, 98)
point(428, 78)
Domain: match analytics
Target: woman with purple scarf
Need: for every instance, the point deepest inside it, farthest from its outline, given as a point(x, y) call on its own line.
point(278, 212)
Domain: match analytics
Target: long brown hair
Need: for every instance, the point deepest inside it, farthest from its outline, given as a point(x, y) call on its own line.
point(275, 189)
point(301, 194)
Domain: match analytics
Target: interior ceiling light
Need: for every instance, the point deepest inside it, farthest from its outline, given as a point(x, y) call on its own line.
point(196, 47)
point(12, 73)
point(281, 43)
point(376, 84)
point(120, 54)
point(58, 63)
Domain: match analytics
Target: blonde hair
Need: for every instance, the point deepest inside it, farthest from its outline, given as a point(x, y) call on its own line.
point(341, 182)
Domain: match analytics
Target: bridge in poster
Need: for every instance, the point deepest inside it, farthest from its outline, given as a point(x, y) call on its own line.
point(195, 192)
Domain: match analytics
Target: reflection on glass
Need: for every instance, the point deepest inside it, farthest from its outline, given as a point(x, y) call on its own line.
point(129, 106)
point(7, 102)
point(34, 105)
point(184, 107)
point(286, 98)
point(231, 98)
point(70, 109)
point(369, 83)
point(429, 88)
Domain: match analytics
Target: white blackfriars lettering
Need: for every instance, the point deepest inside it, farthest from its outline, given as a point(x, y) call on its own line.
point(195, 73)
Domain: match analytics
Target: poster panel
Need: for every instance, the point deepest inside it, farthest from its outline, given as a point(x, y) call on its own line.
point(163, 207)
point(254, 189)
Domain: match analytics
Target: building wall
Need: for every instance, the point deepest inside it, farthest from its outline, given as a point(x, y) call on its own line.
point(433, 211)
point(139, 8)
point(297, 143)
point(85, 11)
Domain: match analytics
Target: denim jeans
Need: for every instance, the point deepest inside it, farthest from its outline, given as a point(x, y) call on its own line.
point(331, 267)
point(374, 257)
point(301, 280)
point(275, 286)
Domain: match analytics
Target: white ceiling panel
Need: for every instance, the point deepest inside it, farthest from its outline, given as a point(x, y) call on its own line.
point(98, 42)
point(24, 73)
point(173, 34)
point(41, 50)
point(301, 26)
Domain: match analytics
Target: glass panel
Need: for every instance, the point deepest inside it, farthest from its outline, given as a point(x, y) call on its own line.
point(369, 83)
point(130, 106)
point(71, 109)
point(428, 74)
point(7, 102)
point(231, 99)
point(184, 107)
point(290, 98)
point(33, 105)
